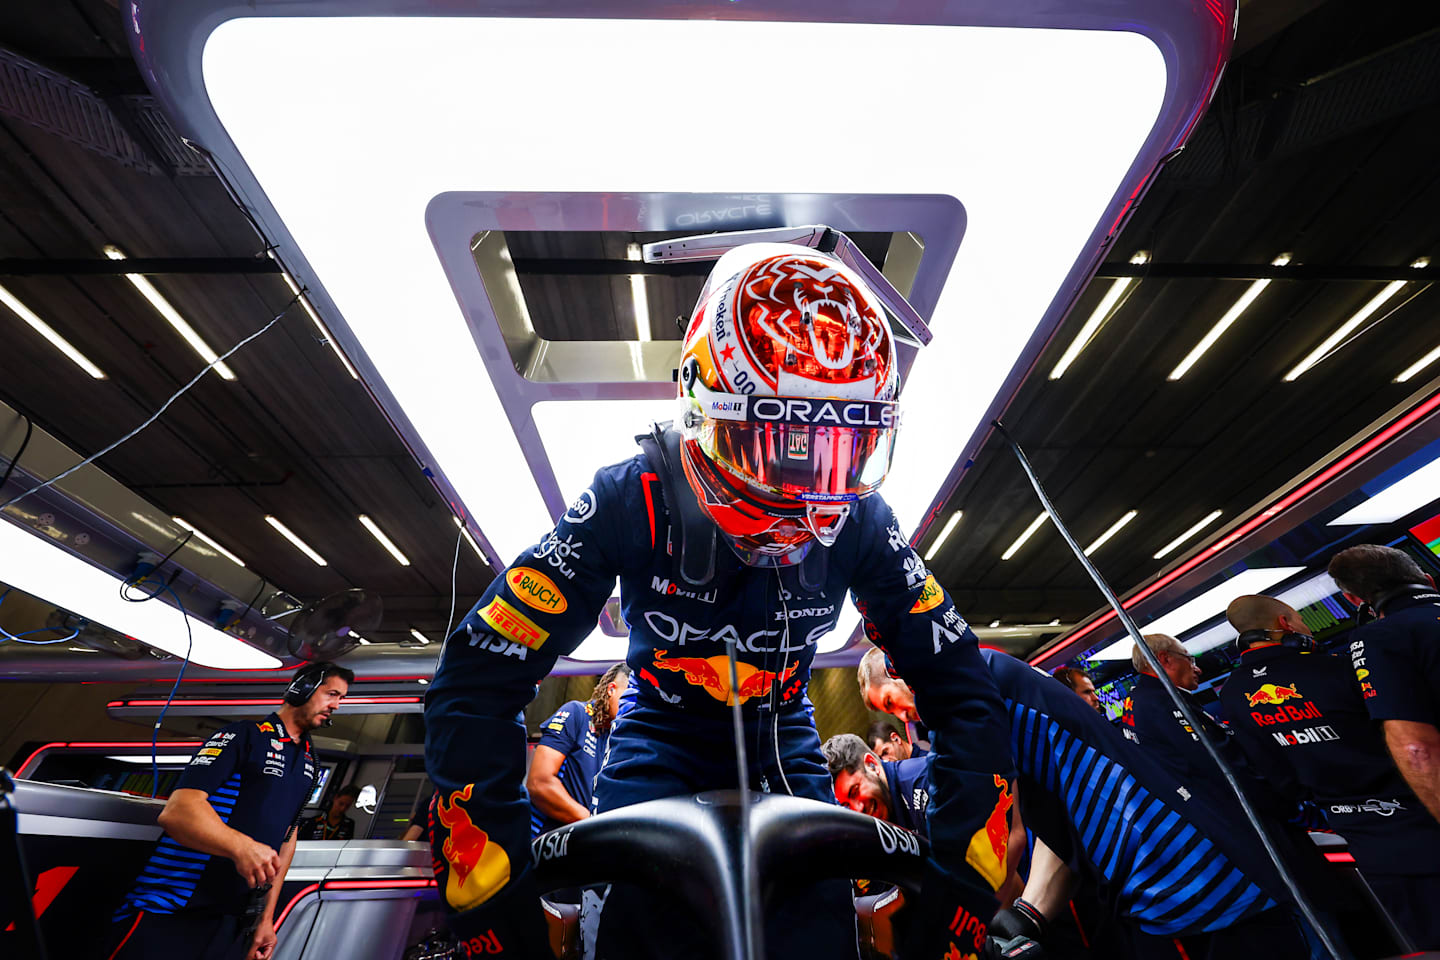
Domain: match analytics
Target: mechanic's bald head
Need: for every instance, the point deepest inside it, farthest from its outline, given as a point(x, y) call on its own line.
point(1258, 612)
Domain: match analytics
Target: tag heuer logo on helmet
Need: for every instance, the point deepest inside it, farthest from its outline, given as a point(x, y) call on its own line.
point(839, 413)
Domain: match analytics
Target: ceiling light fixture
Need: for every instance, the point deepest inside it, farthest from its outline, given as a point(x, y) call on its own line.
point(204, 539)
point(994, 624)
point(385, 541)
point(1349, 326)
point(944, 532)
point(470, 540)
point(1225, 321)
point(314, 317)
point(1098, 316)
point(299, 544)
point(1115, 528)
point(48, 332)
point(419, 636)
point(34, 564)
point(1418, 365)
point(1208, 519)
point(1020, 540)
point(359, 639)
point(172, 316)
point(1401, 498)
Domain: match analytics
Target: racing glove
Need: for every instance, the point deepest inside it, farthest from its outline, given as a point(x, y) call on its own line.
point(1020, 919)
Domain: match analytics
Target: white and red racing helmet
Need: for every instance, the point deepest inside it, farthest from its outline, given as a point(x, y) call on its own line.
point(788, 389)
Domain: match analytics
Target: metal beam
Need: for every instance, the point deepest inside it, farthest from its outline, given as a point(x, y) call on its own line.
point(32, 267)
point(1266, 271)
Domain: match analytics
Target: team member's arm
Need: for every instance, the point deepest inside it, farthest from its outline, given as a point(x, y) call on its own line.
point(910, 617)
point(547, 792)
point(262, 944)
point(1416, 749)
point(189, 818)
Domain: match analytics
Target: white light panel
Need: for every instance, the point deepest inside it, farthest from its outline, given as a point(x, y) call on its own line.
point(30, 563)
point(395, 98)
point(1202, 608)
point(1401, 498)
point(1302, 594)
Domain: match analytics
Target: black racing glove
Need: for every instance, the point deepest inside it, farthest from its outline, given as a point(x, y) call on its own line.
point(1020, 919)
point(1016, 948)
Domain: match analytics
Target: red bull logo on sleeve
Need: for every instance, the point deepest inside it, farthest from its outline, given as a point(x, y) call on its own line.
point(713, 675)
point(990, 843)
point(478, 868)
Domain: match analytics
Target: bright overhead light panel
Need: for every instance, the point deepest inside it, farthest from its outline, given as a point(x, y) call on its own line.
point(206, 540)
point(48, 332)
point(1115, 528)
point(172, 316)
point(295, 541)
point(1418, 365)
point(385, 541)
point(1097, 319)
point(1351, 325)
point(1194, 612)
point(1225, 321)
point(944, 534)
point(1029, 531)
point(1204, 522)
point(33, 564)
point(1401, 498)
point(378, 91)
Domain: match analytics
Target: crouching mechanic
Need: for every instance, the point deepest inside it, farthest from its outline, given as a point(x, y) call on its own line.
point(1172, 865)
point(739, 527)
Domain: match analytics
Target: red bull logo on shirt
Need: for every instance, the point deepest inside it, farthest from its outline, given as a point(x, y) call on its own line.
point(713, 675)
point(1270, 693)
point(990, 843)
point(478, 868)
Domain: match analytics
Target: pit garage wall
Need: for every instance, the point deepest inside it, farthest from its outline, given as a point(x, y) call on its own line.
point(39, 713)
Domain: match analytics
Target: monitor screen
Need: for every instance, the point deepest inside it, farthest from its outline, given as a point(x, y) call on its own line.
point(1428, 533)
point(321, 779)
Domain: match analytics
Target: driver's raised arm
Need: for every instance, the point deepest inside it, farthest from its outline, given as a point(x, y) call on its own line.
point(908, 615)
point(543, 605)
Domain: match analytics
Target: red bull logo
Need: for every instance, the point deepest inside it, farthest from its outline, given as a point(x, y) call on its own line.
point(990, 843)
point(1270, 693)
point(478, 868)
point(713, 675)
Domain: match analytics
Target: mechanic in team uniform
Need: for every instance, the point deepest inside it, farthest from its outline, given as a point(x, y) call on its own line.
point(216, 870)
point(1397, 657)
point(896, 791)
point(562, 773)
point(1171, 863)
point(740, 527)
point(1300, 717)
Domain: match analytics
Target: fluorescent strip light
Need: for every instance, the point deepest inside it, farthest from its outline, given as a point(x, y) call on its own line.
point(1208, 519)
point(1223, 324)
point(48, 332)
point(944, 532)
point(1349, 326)
point(419, 636)
point(361, 640)
point(1115, 528)
point(1208, 604)
point(315, 318)
point(470, 540)
point(299, 544)
point(1020, 541)
point(163, 759)
point(1418, 365)
point(642, 307)
point(35, 565)
point(634, 252)
point(385, 541)
point(1400, 499)
point(172, 316)
point(1097, 319)
point(203, 538)
point(355, 80)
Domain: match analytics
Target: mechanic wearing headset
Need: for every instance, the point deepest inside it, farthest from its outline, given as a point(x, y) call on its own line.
point(1301, 718)
point(229, 837)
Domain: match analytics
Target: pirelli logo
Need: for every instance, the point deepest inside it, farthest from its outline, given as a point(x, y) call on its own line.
point(509, 622)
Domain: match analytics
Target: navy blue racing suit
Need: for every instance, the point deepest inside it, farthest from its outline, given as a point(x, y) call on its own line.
point(677, 737)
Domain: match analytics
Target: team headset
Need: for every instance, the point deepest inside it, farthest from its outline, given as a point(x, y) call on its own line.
point(1371, 611)
point(1295, 641)
point(305, 682)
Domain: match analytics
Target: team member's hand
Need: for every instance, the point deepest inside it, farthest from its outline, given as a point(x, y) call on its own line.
point(256, 862)
point(1019, 920)
point(262, 945)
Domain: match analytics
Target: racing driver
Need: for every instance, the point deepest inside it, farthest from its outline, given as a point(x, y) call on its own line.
point(739, 526)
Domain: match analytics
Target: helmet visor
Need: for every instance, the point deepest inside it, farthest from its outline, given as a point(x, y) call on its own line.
point(806, 450)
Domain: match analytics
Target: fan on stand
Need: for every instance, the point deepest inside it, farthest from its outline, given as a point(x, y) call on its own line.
point(327, 629)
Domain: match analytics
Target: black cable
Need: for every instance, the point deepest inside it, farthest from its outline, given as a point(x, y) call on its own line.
point(747, 865)
point(1333, 945)
point(154, 416)
point(454, 570)
point(10, 467)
